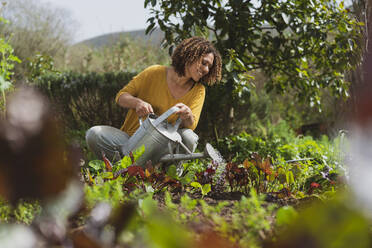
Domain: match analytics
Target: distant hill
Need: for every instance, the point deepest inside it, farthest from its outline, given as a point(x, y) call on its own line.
point(109, 39)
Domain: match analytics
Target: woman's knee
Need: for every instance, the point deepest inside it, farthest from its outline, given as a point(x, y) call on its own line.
point(105, 139)
point(92, 134)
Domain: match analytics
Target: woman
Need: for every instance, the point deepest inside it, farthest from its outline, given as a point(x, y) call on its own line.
point(158, 88)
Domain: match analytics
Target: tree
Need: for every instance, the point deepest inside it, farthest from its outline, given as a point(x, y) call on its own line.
point(302, 46)
point(362, 77)
point(36, 28)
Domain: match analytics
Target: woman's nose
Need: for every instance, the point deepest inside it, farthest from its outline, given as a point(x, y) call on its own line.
point(205, 69)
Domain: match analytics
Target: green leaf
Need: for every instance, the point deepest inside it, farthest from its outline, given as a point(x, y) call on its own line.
point(240, 64)
point(150, 28)
point(235, 77)
point(168, 201)
point(187, 178)
point(196, 185)
point(289, 177)
point(146, 3)
point(107, 175)
point(148, 205)
point(285, 215)
point(172, 171)
point(4, 85)
point(138, 152)
point(206, 189)
point(229, 66)
point(125, 162)
point(97, 165)
point(188, 203)
point(285, 18)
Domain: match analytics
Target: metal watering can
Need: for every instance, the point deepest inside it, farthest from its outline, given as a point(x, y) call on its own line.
point(161, 139)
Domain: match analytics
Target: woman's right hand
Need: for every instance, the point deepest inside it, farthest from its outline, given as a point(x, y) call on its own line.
point(143, 108)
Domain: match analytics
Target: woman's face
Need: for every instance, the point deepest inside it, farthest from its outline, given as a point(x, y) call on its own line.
point(200, 68)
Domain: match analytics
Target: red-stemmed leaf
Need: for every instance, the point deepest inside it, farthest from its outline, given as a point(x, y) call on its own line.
point(314, 185)
point(108, 164)
point(266, 166)
point(135, 170)
point(247, 164)
point(131, 157)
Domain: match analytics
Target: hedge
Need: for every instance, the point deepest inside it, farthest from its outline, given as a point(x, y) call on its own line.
point(85, 100)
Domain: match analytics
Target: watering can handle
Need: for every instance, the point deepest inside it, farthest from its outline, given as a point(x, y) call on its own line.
point(177, 124)
point(152, 115)
point(165, 116)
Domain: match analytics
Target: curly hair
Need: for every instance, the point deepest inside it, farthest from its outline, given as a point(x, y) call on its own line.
point(192, 50)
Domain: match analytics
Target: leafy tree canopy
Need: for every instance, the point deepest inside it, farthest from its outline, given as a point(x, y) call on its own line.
point(302, 46)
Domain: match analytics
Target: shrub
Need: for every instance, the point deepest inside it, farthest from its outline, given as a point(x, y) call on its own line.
point(84, 100)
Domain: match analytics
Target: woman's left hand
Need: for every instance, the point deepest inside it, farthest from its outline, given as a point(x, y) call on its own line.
point(185, 114)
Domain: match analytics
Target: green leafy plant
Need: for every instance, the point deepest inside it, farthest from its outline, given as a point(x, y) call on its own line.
point(105, 191)
point(250, 214)
point(25, 211)
point(205, 189)
point(286, 167)
point(285, 215)
point(8, 59)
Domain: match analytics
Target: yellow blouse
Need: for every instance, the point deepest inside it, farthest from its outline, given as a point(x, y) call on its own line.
point(151, 86)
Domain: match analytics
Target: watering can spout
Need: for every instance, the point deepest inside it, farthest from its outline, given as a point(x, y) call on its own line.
point(213, 153)
point(209, 152)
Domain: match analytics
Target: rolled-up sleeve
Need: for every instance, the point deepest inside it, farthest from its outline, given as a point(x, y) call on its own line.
point(133, 86)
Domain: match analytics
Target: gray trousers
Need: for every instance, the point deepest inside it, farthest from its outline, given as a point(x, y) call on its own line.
point(110, 140)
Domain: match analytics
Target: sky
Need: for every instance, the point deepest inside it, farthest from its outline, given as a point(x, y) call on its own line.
point(97, 17)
